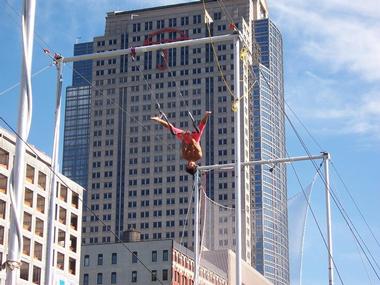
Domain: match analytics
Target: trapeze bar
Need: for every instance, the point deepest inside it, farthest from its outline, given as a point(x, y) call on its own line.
point(230, 166)
point(155, 47)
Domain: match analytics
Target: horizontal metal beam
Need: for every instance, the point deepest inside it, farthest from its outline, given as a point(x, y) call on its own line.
point(141, 49)
point(230, 166)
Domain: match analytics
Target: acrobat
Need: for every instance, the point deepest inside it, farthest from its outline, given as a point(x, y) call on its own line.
point(191, 149)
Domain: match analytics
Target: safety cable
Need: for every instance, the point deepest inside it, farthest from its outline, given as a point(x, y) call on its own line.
point(270, 87)
point(339, 176)
point(158, 106)
point(335, 200)
point(122, 108)
point(215, 54)
point(42, 43)
point(333, 196)
point(216, 57)
point(187, 216)
point(87, 208)
point(7, 3)
point(315, 218)
point(172, 75)
point(10, 88)
point(353, 200)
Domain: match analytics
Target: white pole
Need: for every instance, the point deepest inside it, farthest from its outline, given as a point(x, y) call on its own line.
point(142, 49)
point(231, 166)
point(328, 217)
point(49, 266)
point(24, 120)
point(196, 228)
point(237, 161)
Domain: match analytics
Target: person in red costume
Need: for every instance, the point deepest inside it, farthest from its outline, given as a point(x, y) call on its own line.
point(191, 149)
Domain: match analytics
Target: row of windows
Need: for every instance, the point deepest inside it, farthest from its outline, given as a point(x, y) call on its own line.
point(114, 258)
point(134, 277)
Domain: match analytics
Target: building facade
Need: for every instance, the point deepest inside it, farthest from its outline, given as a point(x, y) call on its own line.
point(67, 245)
point(136, 177)
point(77, 119)
point(165, 262)
point(268, 132)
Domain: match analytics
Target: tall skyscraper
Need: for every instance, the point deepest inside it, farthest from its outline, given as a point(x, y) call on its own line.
point(77, 119)
point(136, 178)
point(268, 132)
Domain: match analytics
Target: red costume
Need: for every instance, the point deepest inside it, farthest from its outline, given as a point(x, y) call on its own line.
point(191, 148)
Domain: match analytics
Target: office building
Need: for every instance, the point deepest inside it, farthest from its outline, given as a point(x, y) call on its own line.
point(136, 177)
point(268, 132)
point(77, 119)
point(68, 223)
point(165, 262)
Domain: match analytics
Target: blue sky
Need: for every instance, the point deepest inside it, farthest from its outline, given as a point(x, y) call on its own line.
point(332, 82)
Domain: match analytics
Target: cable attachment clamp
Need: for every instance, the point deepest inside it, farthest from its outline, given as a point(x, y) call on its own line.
point(133, 53)
point(11, 265)
point(235, 105)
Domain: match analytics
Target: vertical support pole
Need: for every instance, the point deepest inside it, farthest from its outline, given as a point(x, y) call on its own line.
point(24, 121)
point(237, 160)
point(196, 228)
point(328, 217)
point(49, 266)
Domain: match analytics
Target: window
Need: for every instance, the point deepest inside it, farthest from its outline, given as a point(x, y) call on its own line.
point(74, 221)
point(72, 266)
point(165, 255)
point(26, 246)
point(73, 243)
point(113, 278)
point(61, 238)
point(75, 200)
point(134, 276)
point(62, 215)
point(86, 260)
point(27, 221)
point(42, 180)
point(61, 261)
point(114, 258)
point(86, 279)
point(4, 158)
point(154, 256)
point(40, 204)
point(164, 274)
point(100, 259)
point(3, 184)
point(63, 193)
point(29, 174)
point(36, 275)
point(99, 278)
point(39, 230)
point(154, 275)
point(37, 250)
point(28, 197)
point(24, 270)
point(134, 257)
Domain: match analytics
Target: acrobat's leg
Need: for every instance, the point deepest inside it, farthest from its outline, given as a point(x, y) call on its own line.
point(203, 122)
point(175, 131)
point(193, 121)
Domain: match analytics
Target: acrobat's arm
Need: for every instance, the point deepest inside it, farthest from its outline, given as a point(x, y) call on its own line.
point(176, 131)
point(201, 126)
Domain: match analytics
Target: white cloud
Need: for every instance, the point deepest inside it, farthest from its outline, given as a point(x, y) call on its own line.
point(337, 64)
point(336, 34)
point(341, 115)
